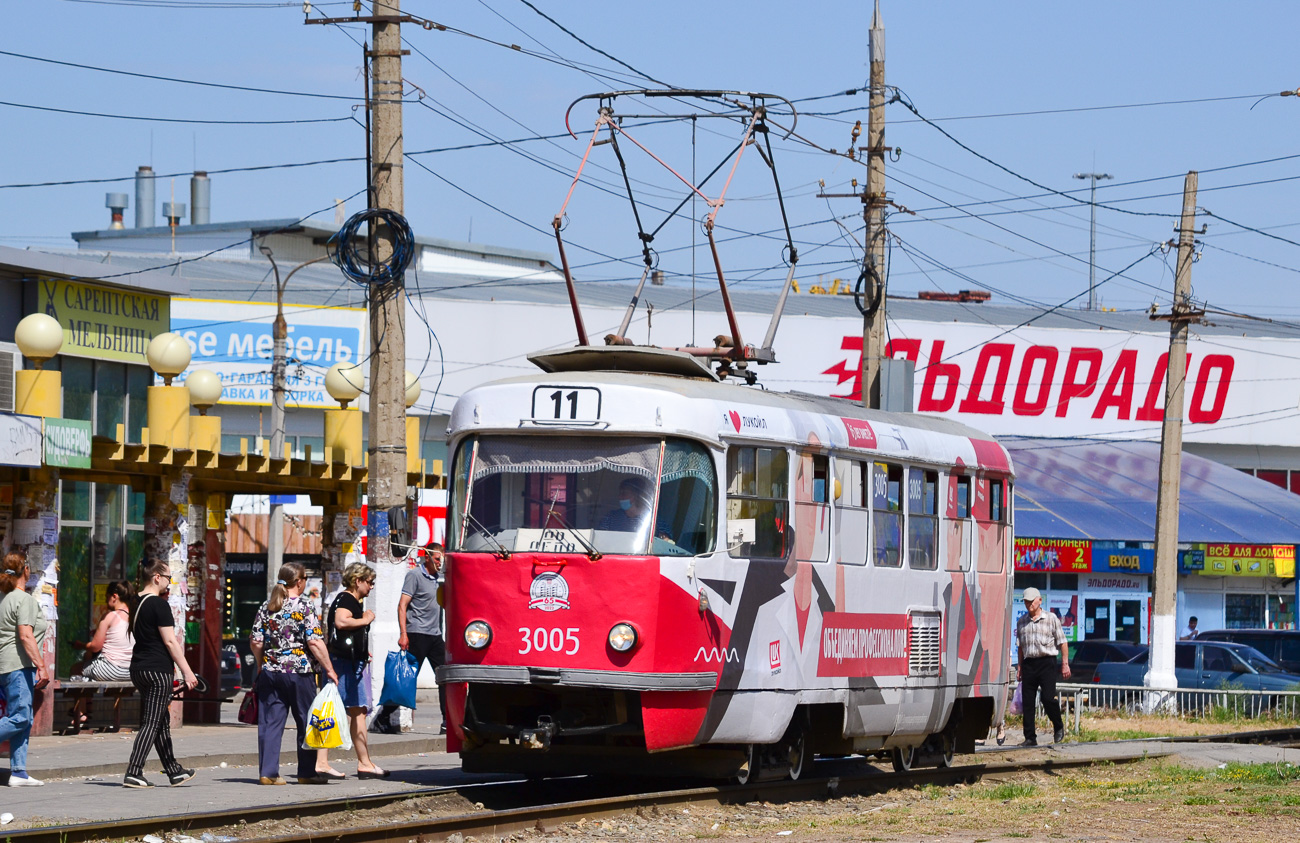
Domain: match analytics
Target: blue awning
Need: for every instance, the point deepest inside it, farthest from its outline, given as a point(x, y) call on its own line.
point(1105, 490)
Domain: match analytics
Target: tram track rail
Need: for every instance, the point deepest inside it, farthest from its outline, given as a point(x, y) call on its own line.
point(544, 815)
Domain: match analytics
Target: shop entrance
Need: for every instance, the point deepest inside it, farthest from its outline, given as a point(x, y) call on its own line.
point(1096, 619)
point(1119, 619)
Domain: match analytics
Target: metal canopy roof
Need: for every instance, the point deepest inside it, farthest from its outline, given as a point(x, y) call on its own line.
point(1106, 490)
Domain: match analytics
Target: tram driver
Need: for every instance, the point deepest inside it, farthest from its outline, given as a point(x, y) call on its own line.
point(634, 499)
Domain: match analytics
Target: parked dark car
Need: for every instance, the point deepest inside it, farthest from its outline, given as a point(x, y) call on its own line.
point(1206, 665)
point(232, 675)
point(1280, 645)
point(1086, 655)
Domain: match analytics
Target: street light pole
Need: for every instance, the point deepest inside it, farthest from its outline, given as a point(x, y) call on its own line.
point(1092, 237)
point(280, 335)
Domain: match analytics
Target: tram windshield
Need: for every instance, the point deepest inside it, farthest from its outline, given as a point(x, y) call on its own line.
point(568, 495)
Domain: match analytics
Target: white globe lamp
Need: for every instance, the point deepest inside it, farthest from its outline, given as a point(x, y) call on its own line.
point(344, 383)
point(168, 355)
point(205, 389)
point(413, 390)
point(39, 337)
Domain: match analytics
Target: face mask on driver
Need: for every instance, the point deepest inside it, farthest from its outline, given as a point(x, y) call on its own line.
point(625, 505)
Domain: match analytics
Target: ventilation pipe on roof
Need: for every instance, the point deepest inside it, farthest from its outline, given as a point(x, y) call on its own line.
point(116, 202)
point(200, 198)
point(144, 197)
point(174, 212)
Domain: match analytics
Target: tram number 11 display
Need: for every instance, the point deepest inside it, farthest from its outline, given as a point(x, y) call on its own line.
point(542, 640)
point(566, 404)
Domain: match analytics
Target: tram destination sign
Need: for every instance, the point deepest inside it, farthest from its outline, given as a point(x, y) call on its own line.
point(67, 443)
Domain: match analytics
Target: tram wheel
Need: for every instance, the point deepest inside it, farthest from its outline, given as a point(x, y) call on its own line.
point(748, 771)
point(946, 749)
point(904, 758)
point(798, 753)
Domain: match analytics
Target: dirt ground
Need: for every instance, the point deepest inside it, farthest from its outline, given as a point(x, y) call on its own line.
point(1157, 801)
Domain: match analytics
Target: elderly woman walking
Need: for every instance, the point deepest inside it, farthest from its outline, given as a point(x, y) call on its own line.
point(22, 667)
point(285, 628)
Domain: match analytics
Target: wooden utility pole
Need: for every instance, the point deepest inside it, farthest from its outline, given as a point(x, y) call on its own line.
point(873, 321)
point(387, 450)
point(1160, 675)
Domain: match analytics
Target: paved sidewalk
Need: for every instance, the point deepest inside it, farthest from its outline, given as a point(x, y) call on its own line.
point(105, 754)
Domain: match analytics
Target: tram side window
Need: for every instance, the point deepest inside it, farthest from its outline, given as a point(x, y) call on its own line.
point(887, 514)
point(955, 529)
point(687, 520)
point(851, 511)
point(923, 519)
point(812, 522)
point(758, 511)
point(990, 526)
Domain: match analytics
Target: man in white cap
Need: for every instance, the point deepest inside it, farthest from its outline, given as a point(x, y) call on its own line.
point(1040, 635)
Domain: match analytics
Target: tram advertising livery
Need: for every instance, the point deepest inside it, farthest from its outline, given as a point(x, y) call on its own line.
point(652, 570)
point(712, 577)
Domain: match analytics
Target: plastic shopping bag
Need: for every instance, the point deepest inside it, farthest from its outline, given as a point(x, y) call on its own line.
point(1018, 700)
point(400, 670)
point(327, 723)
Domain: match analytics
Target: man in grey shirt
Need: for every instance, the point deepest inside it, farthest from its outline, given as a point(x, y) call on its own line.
point(419, 621)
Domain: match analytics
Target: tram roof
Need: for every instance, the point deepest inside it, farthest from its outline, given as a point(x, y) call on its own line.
point(1105, 490)
point(701, 389)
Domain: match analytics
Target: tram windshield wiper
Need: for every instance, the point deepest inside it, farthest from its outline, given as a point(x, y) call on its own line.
point(592, 553)
point(501, 549)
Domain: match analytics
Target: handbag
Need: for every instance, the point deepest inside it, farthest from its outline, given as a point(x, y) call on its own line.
point(248, 708)
point(1018, 699)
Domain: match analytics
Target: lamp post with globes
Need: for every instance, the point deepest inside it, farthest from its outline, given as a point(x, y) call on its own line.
point(1092, 237)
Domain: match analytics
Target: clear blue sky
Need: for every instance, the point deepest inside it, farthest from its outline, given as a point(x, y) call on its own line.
point(951, 60)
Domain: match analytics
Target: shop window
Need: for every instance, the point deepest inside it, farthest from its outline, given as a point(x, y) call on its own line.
point(812, 512)
point(138, 381)
point(74, 595)
point(887, 514)
point(110, 398)
point(1243, 611)
point(757, 485)
point(923, 519)
point(75, 504)
point(1065, 582)
point(1024, 579)
point(78, 388)
point(851, 511)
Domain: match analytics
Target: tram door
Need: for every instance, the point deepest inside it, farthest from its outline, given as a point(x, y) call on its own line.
point(1096, 619)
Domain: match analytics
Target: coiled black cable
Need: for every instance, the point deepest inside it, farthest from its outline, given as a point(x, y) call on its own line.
point(344, 249)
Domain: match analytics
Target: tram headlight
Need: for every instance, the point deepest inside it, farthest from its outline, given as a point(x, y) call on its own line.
point(622, 637)
point(478, 635)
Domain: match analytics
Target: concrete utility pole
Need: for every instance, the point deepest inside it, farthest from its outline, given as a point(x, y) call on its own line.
point(280, 336)
point(1160, 675)
point(873, 321)
point(1092, 236)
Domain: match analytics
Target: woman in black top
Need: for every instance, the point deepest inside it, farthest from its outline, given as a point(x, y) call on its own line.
point(156, 654)
point(348, 626)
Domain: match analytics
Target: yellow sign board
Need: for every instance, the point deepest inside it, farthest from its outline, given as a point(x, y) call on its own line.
point(1249, 560)
point(102, 322)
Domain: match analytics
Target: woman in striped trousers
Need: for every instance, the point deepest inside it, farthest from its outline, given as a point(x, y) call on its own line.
point(153, 661)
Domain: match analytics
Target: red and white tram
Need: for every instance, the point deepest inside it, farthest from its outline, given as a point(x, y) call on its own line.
point(653, 570)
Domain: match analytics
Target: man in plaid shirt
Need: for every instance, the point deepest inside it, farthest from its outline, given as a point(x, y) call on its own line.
point(1040, 635)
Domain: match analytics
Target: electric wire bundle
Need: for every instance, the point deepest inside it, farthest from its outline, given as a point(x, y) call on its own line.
point(345, 252)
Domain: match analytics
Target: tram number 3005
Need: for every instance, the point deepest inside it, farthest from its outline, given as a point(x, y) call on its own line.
point(542, 640)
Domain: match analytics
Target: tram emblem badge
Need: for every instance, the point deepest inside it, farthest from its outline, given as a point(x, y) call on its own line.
point(549, 592)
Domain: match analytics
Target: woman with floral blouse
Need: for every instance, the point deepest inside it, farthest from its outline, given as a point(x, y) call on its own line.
point(285, 629)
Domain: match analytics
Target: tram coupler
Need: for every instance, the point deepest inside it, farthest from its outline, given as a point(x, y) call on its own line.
point(539, 738)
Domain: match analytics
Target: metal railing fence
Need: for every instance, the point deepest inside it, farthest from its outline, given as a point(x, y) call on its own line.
point(1206, 703)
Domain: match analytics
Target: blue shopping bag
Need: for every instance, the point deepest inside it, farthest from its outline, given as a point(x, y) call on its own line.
point(400, 670)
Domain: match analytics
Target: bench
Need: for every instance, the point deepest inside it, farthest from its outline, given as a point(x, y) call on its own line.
point(96, 695)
